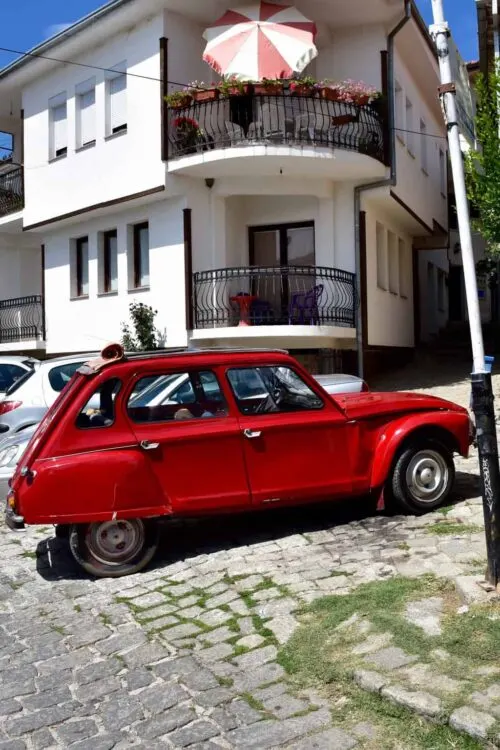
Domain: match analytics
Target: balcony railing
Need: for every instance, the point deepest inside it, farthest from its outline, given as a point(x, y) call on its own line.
point(286, 119)
point(22, 319)
point(274, 295)
point(11, 190)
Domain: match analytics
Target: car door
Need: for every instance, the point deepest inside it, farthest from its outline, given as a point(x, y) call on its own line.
point(182, 423)
point(296, 442)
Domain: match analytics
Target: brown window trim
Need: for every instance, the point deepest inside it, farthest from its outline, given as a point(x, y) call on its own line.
point(79, 265)
point(137, 254)
point(112, 234)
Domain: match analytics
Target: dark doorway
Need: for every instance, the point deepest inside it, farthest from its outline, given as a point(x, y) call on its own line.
point(455, 293)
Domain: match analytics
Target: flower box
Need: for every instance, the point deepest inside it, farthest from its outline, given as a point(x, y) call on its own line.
point(330, 93)
point(362, 100)
point(302, 89)
point(180, 102)
point(269, 89)
point(242, 90)
point(205, 95)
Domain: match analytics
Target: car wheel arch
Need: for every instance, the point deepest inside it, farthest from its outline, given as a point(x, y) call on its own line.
point(431, 433)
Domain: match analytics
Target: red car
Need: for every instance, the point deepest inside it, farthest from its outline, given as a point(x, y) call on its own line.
point(136, 438)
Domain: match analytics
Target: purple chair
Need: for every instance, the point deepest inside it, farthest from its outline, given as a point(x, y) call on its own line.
point(304, 306)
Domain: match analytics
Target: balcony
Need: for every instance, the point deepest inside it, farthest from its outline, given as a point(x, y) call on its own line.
point(274, 301)
point(11, 190)
point(322, 137)
point(22, 322)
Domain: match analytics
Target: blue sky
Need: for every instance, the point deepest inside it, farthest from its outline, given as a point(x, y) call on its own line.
point(25, 23)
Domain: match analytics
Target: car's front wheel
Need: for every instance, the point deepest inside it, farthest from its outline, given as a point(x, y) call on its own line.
point(111, 549)
point(422, 478)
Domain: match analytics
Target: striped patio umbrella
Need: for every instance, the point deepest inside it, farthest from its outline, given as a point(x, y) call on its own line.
point(262, 40)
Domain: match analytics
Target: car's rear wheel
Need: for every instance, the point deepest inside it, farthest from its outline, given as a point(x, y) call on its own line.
point(111, 549)
point(423, 477)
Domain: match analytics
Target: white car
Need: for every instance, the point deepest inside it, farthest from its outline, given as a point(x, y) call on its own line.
point(27, 400)
point(12, 369)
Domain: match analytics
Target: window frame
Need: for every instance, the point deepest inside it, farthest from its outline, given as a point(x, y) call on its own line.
point(119, 388)
point(136, 256)
point(276, 413)
point(116, 72)
point(193, 371)
point(79, 242)
point(106, 261)
point(410, 127)
point(381, 256)
point(82, 90)
point(424, 154)
point(399, 114)
point(57, 103)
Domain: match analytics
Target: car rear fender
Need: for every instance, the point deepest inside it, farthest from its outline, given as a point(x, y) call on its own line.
point(447, 427)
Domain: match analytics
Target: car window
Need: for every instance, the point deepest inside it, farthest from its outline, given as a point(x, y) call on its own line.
point(10, 374)
point(21, 381)
point(271, 390)
point(60, 376)
point(99, 411)
point(185, 395)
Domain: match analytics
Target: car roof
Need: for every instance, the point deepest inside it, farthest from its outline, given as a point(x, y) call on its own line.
point(337, 378)
point(16, 360)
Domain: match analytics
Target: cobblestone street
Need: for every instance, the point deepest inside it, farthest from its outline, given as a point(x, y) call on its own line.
point(185, 654)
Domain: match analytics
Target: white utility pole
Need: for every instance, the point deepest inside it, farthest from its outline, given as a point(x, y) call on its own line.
point(482, 392)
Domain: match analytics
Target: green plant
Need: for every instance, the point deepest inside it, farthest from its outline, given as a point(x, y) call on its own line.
point(231, 86)
point(483, 165)
point(179, 99)
point(141, 333)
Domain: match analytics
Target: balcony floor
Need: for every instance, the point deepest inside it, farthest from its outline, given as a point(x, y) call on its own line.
point(287, 336)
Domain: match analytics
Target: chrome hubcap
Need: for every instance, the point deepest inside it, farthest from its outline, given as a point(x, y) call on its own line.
point(116, 542)
point(427, 476)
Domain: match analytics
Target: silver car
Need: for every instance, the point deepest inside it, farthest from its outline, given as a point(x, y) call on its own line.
point(11, 450)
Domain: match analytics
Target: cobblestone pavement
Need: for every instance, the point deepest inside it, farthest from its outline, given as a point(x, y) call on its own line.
point(185, 654)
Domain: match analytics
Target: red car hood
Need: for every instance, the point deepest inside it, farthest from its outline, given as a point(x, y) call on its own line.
point(366, 405)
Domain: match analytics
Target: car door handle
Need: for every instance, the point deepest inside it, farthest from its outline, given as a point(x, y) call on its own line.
point(252, 434)
point(147, 446)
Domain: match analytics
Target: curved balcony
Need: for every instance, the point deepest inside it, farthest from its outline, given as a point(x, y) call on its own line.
point(326, 138)
point(256, 302)
point(22, 320)
point(11, 190)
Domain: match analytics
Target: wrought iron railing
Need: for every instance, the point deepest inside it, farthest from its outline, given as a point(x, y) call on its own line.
point(22, 319)
point(286, 119)
point(11, 190)
point(274, 295)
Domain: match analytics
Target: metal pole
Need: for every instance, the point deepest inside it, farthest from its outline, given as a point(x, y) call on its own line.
point(482, 392)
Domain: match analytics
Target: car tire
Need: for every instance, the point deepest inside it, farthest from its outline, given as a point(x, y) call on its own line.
point(422, 478)
point(112, 549)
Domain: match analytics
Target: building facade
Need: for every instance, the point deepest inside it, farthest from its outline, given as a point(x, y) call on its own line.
point(282, 221)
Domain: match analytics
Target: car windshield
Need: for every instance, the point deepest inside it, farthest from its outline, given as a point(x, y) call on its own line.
point(18, 383)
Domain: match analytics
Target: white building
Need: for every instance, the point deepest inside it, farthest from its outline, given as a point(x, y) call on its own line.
point(335, 202)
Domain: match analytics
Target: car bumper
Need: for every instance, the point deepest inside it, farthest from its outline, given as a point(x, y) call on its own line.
point(13, 521)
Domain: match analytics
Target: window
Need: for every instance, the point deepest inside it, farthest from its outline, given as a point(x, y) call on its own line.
point(60, 376)
point(81, 268)
point(9, 374)
point(442, 172)
point(85, 114)
point(381, 256)
point(423, 147)
point(404, 270)
point(410, 128)
point(116, 100)
point(6, 147)
point(176, 397)
point(99, 411)
point(270, 390)
point(108, 278)
point(141, 256)
point(399, 112)
point(393, 262)
point(58, 127)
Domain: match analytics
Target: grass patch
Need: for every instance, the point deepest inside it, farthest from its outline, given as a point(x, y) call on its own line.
point(444, 528)
point(30, 555)
point(253, 702)
point(58, 629)
point(225, 681)
point(77, 608)
point(105, 619)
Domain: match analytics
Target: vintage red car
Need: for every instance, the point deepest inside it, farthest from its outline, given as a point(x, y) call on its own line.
point(137, 438)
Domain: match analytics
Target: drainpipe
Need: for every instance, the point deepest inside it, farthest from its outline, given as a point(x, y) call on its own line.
point(388, 182)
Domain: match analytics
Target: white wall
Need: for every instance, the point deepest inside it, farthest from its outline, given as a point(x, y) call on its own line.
point(87, 324)
point(389, 315)
point(420, 191)
point(433, 315)
point(120, 166)
point(185, 52)
point(20, 270)
point(353, 53)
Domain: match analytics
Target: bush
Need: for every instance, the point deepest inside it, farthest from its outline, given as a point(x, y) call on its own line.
point(141, 333)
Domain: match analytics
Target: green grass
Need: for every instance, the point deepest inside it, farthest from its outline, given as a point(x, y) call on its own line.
point(444, 528)
point(30, 555)
point(318, 656)
point(253, 702)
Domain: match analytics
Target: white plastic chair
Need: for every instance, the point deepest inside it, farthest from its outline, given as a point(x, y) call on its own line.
point(235, 132)
point(272, 118)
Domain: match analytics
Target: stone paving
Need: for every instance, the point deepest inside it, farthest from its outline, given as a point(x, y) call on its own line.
point(185, 654)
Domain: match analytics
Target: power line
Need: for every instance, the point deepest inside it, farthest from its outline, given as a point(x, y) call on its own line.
point(87, 65)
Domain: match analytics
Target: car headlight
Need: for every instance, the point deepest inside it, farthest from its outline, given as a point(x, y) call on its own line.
point(8, 455)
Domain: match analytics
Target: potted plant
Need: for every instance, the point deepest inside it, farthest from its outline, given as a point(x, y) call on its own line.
point(269, 87)
point(179, 99)
point(187, 133)
point(357, 92)
point(305, 86)
point(232, 86)
point(328, 90)
point(201, 92)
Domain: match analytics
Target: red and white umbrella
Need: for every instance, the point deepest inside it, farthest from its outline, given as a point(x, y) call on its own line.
point(262, 40)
